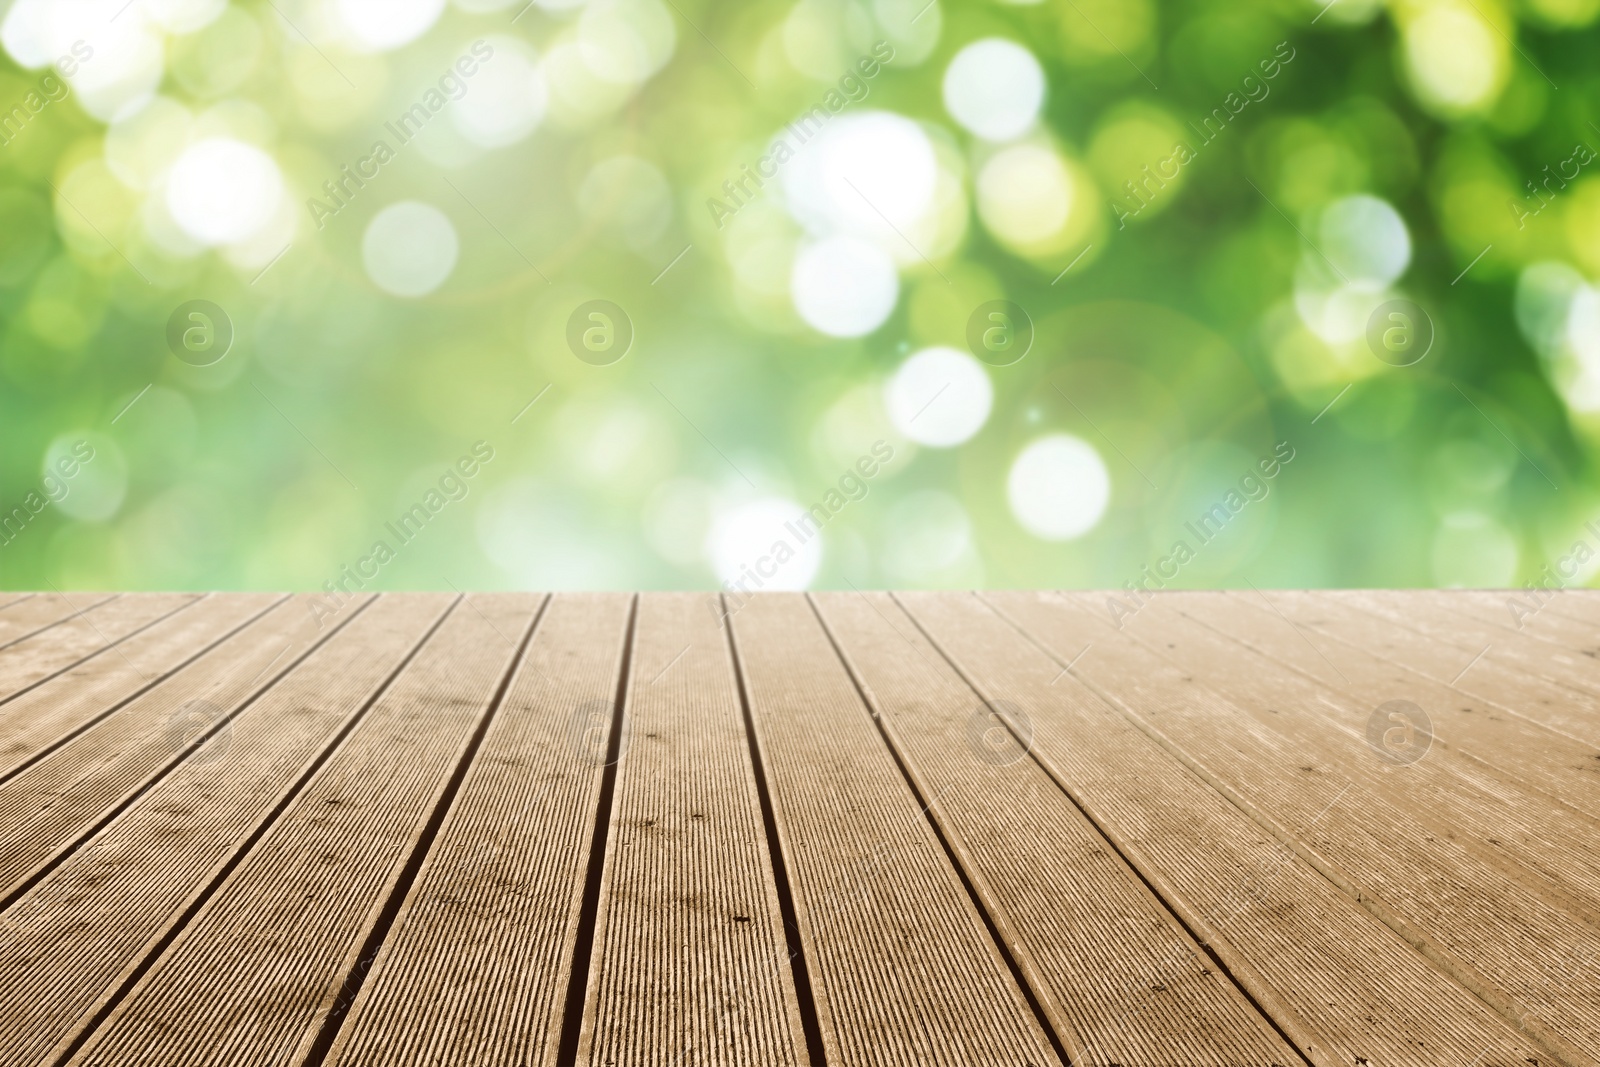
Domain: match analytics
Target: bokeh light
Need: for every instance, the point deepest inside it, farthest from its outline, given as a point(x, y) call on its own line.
point(844, 286)
point(382, 25)
point(870, 174)
point(994, 88)
point(754, 547)
point(816, 236)
point(410, 248)
point(221, 191)
point(1058, 487)
point(939, 397)
point(506, 99)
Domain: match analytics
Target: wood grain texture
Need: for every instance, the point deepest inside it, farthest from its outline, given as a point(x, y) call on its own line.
point(1469, 919)
point(1561, 619)
point(690, 963)
point(999, 829)
point(249, 979)
point(82, 627)
point(1493, 734)
point(53, 712)
point(905, 972)
point(476, 970)
point(42, 611)
point(84, 931)
point(45, 809)
point(1553, 684)
point(1354, 987)
point(1545, 843)
point(1148, 995)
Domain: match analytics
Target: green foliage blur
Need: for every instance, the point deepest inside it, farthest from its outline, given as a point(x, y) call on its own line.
point(1185, 327)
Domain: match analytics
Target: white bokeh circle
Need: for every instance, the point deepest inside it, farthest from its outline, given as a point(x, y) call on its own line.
point(1026, 194)
point(756, 543)
point(97, 489)
point(410, 248)
point(626, 42)
point(221, 191)
point(994, 88)
point(939, 397)
point(870, 174)
point(1058, 487)
point(505, 99)
point(114, 70)
point(383, 25)
point(1366, 239)
point(844, 286)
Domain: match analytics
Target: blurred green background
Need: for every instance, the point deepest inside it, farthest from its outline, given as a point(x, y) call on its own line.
point(1195, 211)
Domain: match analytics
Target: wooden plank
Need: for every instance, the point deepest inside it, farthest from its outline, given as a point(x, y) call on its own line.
point(1555, 650)
point(476, 972)
point(44, 611)
point(903, 968)
point(1193, 857)
point(1554, 684)
point(52, 712)
point(1549, 848)
point(94, 630)
point(82, 934)
point(250, 978)
point(1321, 965)
point(1122, 980)
point(1567, 620)
point(1565, 769)
point(1544, 643)
point(1578, 605)
point(49, 806)
point(1517, 677)
point(8, 600)
point(1527, 677)
point(1471, 920)
point(690, 961)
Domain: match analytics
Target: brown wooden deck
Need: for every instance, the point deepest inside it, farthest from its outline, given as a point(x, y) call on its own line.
point(913, 829)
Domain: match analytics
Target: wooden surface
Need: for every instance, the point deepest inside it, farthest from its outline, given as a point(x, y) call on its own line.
point(1188, 830)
